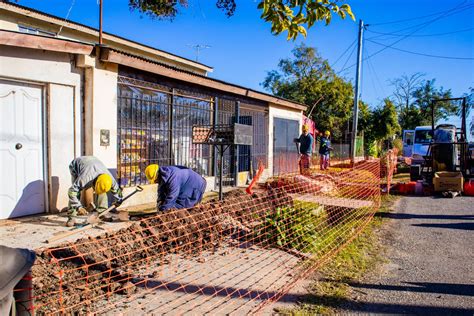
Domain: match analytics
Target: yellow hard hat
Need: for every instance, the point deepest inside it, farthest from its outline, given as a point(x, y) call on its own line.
point(305, 128)
point(327, 133)
point(151, 172)
point(103, 183)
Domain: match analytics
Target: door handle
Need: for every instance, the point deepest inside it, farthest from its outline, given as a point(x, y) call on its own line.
point(18, 146)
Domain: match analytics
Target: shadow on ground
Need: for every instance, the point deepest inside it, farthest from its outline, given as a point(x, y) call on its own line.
point(352, 306)
point(462, 226)
point(425, 287)
point(422, 216)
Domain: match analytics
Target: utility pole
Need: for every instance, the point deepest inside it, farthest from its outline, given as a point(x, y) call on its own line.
point(100, 22)
point(357, 92)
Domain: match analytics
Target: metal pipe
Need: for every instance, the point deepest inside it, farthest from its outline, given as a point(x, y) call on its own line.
point(214, 150)
point(236, 147)
point(100, 21)
point(221, 168)
point(432, 116)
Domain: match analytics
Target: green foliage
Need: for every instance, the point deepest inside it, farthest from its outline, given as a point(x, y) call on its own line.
point(293, 16)
point(290, 227)
point(373, 149)
point(398, 143)
point(382, 125)
point(428, 92)
point(385, 121)
point(307, 78)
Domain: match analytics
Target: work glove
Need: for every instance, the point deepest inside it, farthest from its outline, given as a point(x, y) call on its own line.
point(78, 210)
point(81, 211)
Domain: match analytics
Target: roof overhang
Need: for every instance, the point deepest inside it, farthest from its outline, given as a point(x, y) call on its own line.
point(113, 56)
point(9, 38)
point(108, 37)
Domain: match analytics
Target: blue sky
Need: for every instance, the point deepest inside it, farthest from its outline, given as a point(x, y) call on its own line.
point(243, 50)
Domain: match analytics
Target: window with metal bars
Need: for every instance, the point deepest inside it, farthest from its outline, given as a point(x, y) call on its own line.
point(155, 126)
point(251, 156)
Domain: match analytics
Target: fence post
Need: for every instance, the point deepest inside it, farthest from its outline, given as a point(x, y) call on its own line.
point(214, 150)
point(236, 147)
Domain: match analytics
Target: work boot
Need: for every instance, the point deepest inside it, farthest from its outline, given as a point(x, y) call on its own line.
point(71, 222)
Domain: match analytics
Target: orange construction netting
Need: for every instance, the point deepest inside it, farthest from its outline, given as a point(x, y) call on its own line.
point(389, 167)
point(232, 256)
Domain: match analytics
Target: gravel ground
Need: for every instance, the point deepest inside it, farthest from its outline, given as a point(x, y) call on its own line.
point(430, 266)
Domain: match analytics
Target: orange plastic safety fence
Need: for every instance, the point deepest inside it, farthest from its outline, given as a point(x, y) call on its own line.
point(235, 255)
point(389, 166)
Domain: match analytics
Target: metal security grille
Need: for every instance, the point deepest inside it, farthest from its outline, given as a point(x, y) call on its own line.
point(226, 115)
point(146, 111)
point(250, 156)
point(155, 123)
point(284, 150)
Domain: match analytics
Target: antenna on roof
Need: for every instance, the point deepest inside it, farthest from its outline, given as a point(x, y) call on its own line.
point(198, 48)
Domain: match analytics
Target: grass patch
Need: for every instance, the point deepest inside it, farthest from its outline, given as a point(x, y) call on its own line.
point(401, 177)
point(362, 255)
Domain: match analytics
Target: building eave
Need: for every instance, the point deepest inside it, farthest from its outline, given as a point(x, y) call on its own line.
point(9, 38)
point(125, 59)
point(45, 17)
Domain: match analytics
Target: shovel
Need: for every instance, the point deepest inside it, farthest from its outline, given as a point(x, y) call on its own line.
point(95, 217)
point(92, 220)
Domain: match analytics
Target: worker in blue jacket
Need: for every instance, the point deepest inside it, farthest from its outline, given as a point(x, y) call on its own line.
point(324, 150)
point(178, 186)
point(305, 149)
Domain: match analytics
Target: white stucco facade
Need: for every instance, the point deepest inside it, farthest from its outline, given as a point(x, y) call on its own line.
point(61, 83)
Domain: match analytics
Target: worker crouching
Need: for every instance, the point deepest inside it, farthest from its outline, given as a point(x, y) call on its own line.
point(89, 172)
point(178, 187)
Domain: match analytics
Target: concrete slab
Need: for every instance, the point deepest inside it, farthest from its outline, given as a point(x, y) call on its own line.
point(32, 232)
point(332, 201)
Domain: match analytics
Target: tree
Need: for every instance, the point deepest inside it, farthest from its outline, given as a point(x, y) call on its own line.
point(283, 15)
point(307, 78)
point(385, 121)
point(365, 115)
point(424, 96)
point(405, 86)
point(413, 97)
point(383, 126)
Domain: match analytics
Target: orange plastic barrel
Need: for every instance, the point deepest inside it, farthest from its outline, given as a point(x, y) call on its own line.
point(411, 187)
point(469, 187)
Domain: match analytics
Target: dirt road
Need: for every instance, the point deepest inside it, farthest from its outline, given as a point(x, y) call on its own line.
point(430, 268)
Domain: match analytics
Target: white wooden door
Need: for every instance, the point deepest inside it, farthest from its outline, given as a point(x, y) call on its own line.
point(22, 182)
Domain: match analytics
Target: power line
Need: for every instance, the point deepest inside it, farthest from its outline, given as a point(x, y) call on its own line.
point(414, 18)
point(423, 35)
point(421, 54)
point(337, 60)
point(404, 37)
point(372, 70)
point(67, 16)
point(347, 60)
point(447, 13)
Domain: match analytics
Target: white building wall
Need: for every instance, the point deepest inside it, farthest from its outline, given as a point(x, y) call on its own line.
point(104, 113)
point(62, 82)
point(276, 111)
